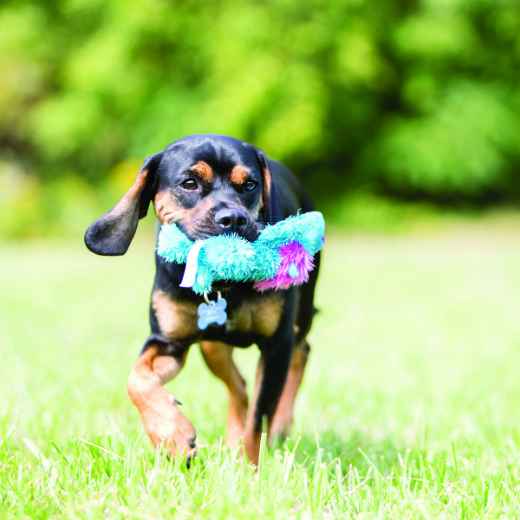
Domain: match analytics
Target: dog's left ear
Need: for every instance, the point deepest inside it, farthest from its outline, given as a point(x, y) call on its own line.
point(269, 198)
point(113, 232)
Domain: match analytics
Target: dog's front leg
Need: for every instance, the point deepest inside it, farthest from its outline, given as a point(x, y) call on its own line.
point(162, 420)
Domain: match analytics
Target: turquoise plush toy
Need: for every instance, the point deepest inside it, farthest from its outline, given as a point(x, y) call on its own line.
point(281, 256)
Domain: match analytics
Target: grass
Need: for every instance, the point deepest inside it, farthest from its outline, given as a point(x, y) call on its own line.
point(410, 407)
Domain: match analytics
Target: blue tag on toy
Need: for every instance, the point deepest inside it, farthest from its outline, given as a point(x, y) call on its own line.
point(212, 313)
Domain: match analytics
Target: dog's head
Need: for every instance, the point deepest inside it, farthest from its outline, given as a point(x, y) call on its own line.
point(208, 185)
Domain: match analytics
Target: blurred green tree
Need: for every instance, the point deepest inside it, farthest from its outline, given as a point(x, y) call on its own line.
point(415, 98)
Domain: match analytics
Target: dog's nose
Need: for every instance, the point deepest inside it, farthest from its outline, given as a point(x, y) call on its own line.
point(232, 220)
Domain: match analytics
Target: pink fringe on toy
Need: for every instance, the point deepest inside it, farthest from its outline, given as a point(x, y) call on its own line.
point(295, 266)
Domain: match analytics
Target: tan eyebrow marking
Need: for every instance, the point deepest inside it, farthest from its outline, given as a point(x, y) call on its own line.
point(203, 170)
point(239, 174)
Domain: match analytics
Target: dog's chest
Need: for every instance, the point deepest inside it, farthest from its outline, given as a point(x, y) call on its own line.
point(258, 316)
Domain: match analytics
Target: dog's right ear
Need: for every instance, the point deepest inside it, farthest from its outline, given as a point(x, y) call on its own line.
point(112, 233)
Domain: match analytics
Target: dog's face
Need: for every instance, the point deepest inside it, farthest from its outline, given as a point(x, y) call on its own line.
point(211, 186)
point(208, 185)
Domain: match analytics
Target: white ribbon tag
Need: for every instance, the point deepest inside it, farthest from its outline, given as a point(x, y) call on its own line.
point(190, 272)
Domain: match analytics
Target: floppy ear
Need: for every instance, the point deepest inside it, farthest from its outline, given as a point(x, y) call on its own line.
point(112, 233)
point(269, 199)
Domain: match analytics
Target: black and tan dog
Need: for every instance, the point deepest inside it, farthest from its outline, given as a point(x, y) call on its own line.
point(209, 185)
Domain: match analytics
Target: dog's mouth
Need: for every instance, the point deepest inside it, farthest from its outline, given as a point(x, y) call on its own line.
point(204, 230)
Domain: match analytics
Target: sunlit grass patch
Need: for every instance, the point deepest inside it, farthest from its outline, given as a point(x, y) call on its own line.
point(410, 407)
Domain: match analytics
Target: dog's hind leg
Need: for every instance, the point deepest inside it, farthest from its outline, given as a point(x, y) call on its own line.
point(271, 375)
point(219, 358)
point(283, 416)
point(162, 420)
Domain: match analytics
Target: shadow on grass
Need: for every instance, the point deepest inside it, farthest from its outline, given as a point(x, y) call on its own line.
point(354, 451)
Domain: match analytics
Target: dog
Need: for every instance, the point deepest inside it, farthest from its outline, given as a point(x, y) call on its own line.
point(210, 185)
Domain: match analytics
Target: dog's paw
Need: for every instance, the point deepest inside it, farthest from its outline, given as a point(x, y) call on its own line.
point(168, 428)
point(183, 439)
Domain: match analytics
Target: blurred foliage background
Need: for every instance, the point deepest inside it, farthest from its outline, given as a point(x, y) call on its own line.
point(368, 101)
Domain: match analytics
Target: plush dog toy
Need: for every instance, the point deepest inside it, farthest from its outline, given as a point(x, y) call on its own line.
point(280, 257)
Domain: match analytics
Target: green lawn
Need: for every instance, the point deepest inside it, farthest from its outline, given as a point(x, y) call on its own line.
point(410, 407)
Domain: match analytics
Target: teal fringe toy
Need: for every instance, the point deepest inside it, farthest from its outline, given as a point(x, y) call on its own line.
point(281, 256)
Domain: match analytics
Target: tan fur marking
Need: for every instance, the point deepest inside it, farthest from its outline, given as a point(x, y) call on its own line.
point(193, 220)
point(261, 316)
point(219, 358)
point(266, 193)
point(203, 170)
point(129, 199)
point(267, 176)
point(251, 435)
point(139, 183)
point(167, 209)
point(239, 174)
point(283, 416)
point(162, 420)
point(176, 319)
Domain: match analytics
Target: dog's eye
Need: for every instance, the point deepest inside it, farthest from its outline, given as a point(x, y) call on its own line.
point(250, 185)
point(189, 184)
